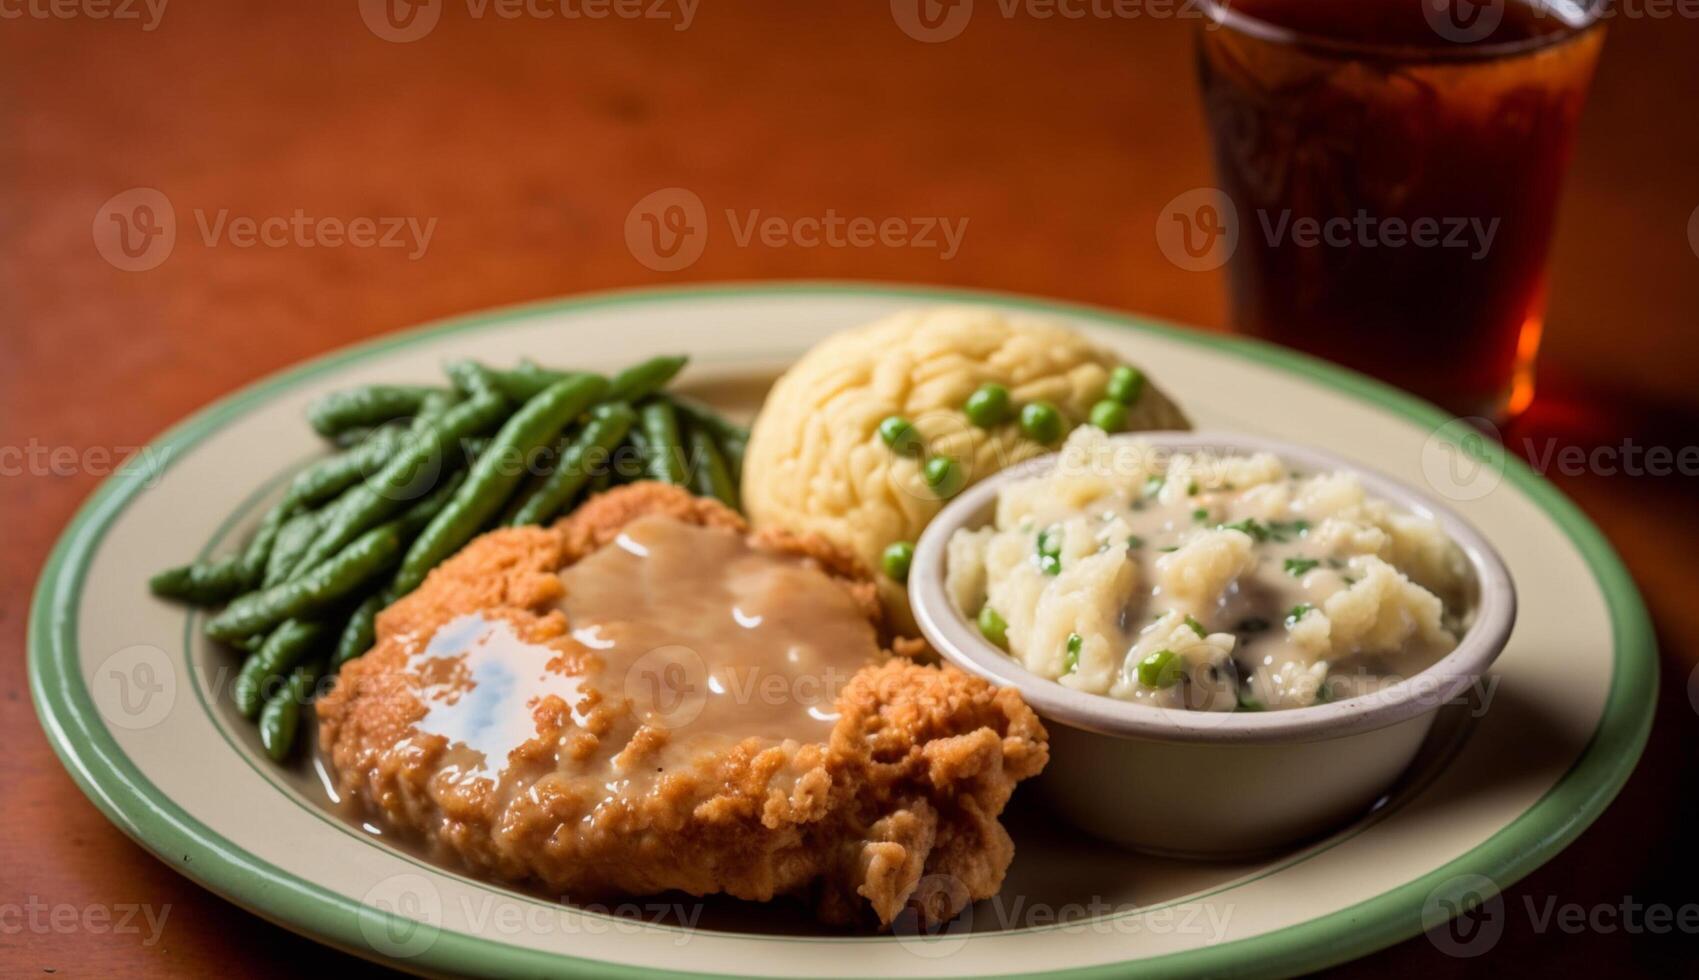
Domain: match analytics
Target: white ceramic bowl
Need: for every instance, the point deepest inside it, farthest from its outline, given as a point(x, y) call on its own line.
point(1217, 784)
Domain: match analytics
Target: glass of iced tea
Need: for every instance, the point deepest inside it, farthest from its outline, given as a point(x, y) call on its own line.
point(1393, 167)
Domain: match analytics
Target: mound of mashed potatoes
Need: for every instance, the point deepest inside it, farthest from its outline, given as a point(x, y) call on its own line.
point(1214, 583)
point(815, 462)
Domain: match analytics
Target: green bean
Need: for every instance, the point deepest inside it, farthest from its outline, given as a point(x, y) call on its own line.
point(609, 424)
point(473, 379)
point(709, 475)
point(354, 566)
point(729, 436)
point(490, 483)
point(257, 553)
point(666, 447)
point(697, 413)
point(360, 632)
point(202, 583)
point(631, 458)
point(324, 480)
point(385, 492)
point(640, 381)
point(280, 719)
point(434, 405)
point(529, 379)
point(363, 407)
point(293, 539)
point(288, 645)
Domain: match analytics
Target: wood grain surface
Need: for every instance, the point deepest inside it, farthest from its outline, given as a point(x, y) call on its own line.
point(525, 142)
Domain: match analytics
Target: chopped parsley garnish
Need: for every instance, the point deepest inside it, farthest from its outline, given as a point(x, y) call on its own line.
point(1297, 567)
point(1246, 702)
point(1172, 547)
point(1197, 627)
point(1298, 612)
point(1134, 541)
point(1153, 485)
point(1201, 514)
point(1251, 526)
point(1287, 530)
point(1192, 489)
point(1050, 564)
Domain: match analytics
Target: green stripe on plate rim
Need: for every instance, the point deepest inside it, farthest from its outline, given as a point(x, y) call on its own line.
point(113, 783)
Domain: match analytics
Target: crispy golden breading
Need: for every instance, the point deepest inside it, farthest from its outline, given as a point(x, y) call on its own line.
point(918, 766)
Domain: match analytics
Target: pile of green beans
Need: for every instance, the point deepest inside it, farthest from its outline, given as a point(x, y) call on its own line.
point(418, 472)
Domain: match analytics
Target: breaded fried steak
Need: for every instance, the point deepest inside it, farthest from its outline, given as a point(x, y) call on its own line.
point(645, 697)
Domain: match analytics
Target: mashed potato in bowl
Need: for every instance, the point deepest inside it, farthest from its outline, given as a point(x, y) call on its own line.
point(816, 462)
point(1215, 583)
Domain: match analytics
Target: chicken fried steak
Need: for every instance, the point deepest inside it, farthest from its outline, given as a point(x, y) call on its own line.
point(646, 697)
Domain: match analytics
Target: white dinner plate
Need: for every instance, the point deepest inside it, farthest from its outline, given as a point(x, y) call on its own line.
point(135, 700)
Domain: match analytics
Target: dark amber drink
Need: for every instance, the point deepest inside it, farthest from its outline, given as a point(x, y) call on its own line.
point(1394, 166)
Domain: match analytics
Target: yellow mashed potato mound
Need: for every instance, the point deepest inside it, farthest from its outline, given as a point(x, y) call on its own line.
point(815, 462)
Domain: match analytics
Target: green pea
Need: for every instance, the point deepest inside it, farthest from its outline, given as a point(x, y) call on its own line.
point(898, 434)
point(1109, 416)
point(1160, 669)
point(993, 628)
point(1042, 422)
point(988, 406)
point(896, 560)
point(943, 475)
point(1126, 383)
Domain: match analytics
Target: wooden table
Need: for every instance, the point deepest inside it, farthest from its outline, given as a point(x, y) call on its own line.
point(528, 141)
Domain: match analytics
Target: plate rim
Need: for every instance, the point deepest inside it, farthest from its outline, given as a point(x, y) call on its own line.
point(123, 794)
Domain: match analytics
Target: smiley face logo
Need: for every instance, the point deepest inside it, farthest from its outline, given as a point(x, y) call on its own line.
point(1199, 230)
point(136, 230)
point(400, 21)
point(932, 21)
point(667, 230)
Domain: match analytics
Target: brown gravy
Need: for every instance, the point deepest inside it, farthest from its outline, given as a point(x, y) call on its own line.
point(682, 641)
